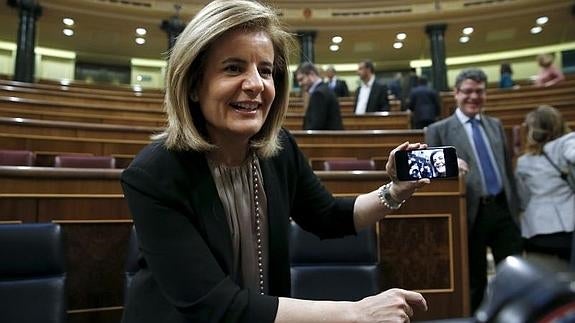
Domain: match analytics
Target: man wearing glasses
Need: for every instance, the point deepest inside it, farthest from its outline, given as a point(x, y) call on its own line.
point(485, 160)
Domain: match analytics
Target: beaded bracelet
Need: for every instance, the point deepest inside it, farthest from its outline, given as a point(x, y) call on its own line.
point(385, 198)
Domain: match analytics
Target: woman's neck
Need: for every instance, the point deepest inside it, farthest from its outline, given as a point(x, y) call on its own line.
point(230, 155)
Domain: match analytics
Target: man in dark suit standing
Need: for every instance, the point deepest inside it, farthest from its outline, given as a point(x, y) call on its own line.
point(424, 104)
point(339, 87)
point(323, 111)
point(371, 96)
point(485, 160)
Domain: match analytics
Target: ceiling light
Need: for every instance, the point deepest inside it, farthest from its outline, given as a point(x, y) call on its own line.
point(401, 36)
point(542, 20)
point(397, 45)
point(464, 39)
point(337, 39)
point(468, 30)
point(536, 29)
point(68, 31)
point(334, 48)
point(140, 40)
point(141, 31)
point(68, 21)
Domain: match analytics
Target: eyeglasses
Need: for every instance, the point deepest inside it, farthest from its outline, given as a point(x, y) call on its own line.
point(479, 92)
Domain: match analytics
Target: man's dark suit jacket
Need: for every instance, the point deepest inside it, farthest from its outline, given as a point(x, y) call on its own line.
point(377, 101)
point(450, 132)
point(424, 104)
point(185, 243)
point(340, 89)
point(323, 112)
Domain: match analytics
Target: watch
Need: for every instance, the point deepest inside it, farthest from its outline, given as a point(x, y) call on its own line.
point(385, 198)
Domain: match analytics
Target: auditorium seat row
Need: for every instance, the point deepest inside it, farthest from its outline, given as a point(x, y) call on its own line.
point(28, 158)
point(33, 270)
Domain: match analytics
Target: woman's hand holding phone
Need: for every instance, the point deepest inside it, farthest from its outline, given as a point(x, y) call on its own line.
point(402, 190)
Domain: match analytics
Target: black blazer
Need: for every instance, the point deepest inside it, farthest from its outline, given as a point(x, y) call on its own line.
point(424, 103)
point(340, 89)
point(185, 244)
point(323, 112)
point(377, 101)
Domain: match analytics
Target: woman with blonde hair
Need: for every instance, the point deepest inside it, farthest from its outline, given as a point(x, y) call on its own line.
point(547, 201)
point(212, 196)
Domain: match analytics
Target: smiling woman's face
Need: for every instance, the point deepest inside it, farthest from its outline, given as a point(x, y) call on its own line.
point(237, 88)
point(439, 162)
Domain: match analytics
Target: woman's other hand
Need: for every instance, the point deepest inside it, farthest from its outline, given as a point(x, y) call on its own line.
point(393, 305)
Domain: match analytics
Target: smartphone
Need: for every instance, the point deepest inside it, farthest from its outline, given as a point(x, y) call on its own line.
point(431, 162)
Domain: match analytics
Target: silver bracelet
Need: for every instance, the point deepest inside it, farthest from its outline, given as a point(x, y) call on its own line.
point(385, 198)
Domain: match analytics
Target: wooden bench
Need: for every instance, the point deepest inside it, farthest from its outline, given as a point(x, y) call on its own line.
point(84, 108)
point(78, 87)
point(525, 96)
point(123, 142)
point(74, 97)
point(422, 246)
point(368, 121)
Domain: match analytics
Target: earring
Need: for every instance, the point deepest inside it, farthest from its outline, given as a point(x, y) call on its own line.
point(194, 97)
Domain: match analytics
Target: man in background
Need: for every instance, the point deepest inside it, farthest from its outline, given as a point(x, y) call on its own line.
point(339, 87)
point(485, 160)
point(424, 104)
point(323, 112)
point(408, 82)
point(371, 96)
point(395, 86)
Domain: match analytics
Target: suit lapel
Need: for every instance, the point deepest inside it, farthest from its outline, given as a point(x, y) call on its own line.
point(460, 139)
point(278, 223)
point(209, 211)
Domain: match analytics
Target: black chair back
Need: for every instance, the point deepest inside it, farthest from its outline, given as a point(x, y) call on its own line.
point(334, 269)
point(32, 274)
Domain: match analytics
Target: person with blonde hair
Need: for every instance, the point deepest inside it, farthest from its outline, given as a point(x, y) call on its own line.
point(546, 200)
point(548, 74)
point(212, 196)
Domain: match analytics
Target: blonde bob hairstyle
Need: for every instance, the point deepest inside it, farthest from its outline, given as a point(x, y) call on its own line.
point(543, 125)
point(186, 129)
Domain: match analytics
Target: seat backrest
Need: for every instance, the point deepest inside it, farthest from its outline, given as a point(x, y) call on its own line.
point(17, 158)
point(335, 269)
point(349, 164)
point(76, 161)
point(32, 273)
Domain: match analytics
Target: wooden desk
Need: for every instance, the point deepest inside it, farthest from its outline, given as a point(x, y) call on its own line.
point(422, 246)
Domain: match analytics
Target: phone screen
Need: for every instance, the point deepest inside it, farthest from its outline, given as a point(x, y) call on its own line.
point(432, 162)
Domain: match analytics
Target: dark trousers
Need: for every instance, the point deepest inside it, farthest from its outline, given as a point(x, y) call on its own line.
point(553, 244)
point(494, 227)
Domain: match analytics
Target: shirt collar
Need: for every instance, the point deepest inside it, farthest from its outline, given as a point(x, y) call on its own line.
point(370, 82)
point(314, 85)
point(463, 118)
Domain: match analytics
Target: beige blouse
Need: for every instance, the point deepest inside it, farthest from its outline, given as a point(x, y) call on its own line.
point(235, 187)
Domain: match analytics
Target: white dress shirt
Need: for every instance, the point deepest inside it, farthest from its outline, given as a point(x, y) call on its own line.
point(363, 96)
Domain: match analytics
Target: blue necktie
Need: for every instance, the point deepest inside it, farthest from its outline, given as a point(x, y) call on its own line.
point(489, 175)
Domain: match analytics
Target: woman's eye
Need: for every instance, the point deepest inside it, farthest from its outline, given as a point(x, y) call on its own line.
point(233, 69)
point(266, 72)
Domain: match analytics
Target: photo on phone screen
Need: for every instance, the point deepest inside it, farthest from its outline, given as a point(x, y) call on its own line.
point(432, 162)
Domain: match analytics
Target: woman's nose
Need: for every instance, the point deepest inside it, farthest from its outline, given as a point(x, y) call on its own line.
point(253, 81)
